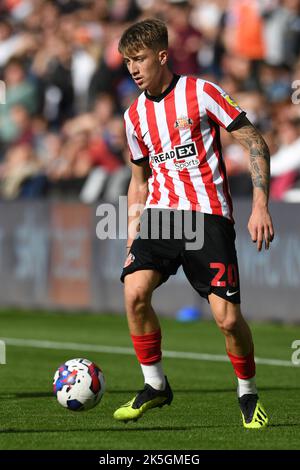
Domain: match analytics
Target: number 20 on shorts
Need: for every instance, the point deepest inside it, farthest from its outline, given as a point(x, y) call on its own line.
point(224, 277)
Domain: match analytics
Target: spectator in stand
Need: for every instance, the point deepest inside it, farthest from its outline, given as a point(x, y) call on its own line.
point(66, 86)
point(21, 167)
point(13, 43)
point(185, 40)
point(98, 126)
point(53, 67)
point(244, 34)
point(285, 163)
point(20, 91)
point(245, 31)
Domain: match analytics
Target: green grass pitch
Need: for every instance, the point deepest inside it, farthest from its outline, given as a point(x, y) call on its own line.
point(204, 413)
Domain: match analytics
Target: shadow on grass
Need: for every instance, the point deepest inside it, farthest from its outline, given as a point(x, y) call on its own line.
point(211, 390)
point(140, 429)
point(13, 395)
point(116, 429)
point(177, 390)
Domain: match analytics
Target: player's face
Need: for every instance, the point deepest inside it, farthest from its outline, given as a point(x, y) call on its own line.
point(145, 67)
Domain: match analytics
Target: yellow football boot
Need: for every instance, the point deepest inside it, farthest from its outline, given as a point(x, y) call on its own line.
point(145, 400)
point(254, 415)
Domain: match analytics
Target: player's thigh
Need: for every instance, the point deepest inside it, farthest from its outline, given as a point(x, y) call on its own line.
point(214, 267)
point(139, 286)
point(226, 314)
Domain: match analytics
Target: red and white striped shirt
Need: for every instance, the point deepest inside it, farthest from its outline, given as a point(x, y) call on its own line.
point(178, 132)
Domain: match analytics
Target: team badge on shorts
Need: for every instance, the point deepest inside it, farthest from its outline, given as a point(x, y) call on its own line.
point(183, 122)
point(130, 259)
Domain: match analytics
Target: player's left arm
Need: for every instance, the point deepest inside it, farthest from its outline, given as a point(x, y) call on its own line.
point(260, 223)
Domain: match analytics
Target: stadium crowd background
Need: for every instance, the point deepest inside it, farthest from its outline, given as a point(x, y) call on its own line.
point(61, 127)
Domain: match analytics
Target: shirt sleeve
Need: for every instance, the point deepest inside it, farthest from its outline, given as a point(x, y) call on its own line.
point(139, 152)
point(220, 107)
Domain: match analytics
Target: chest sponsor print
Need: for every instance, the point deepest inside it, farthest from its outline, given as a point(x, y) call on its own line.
point(179, 152)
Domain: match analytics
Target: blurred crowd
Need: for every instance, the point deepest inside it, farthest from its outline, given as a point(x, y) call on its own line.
point(66, 88)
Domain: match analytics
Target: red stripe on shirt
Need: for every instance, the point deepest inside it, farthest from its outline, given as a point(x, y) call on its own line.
point(221, 166)
point(214, 118)
point(155, 139)
point(216, 96)
point(206, 173)
point(174, 140)
point(135, 119)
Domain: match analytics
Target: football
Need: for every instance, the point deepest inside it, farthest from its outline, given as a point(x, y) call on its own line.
point(78, 384)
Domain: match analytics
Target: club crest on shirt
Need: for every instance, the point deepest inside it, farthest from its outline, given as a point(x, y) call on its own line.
point(183, 122)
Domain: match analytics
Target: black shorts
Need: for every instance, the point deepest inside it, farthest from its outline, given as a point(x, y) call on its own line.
point(212, 268)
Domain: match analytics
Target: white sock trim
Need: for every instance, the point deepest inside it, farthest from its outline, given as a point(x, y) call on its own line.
point(246, 386)
point(154, 375)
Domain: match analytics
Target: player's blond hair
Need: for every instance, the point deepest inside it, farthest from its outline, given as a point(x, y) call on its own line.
point(150, 33)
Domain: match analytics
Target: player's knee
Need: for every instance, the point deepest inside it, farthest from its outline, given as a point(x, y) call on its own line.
point(137, 298)
point(228, 324)
point(227, 316)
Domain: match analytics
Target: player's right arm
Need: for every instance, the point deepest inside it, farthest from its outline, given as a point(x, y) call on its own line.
point(137, 195)
point(138, 187)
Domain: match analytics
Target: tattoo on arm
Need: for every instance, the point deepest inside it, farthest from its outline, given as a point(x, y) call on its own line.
point(250, 138)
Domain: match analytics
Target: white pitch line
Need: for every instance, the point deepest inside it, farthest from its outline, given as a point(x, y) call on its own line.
point(41, 344)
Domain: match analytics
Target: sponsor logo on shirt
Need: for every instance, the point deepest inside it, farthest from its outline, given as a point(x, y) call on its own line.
point(179, 152)
point(183, 164)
